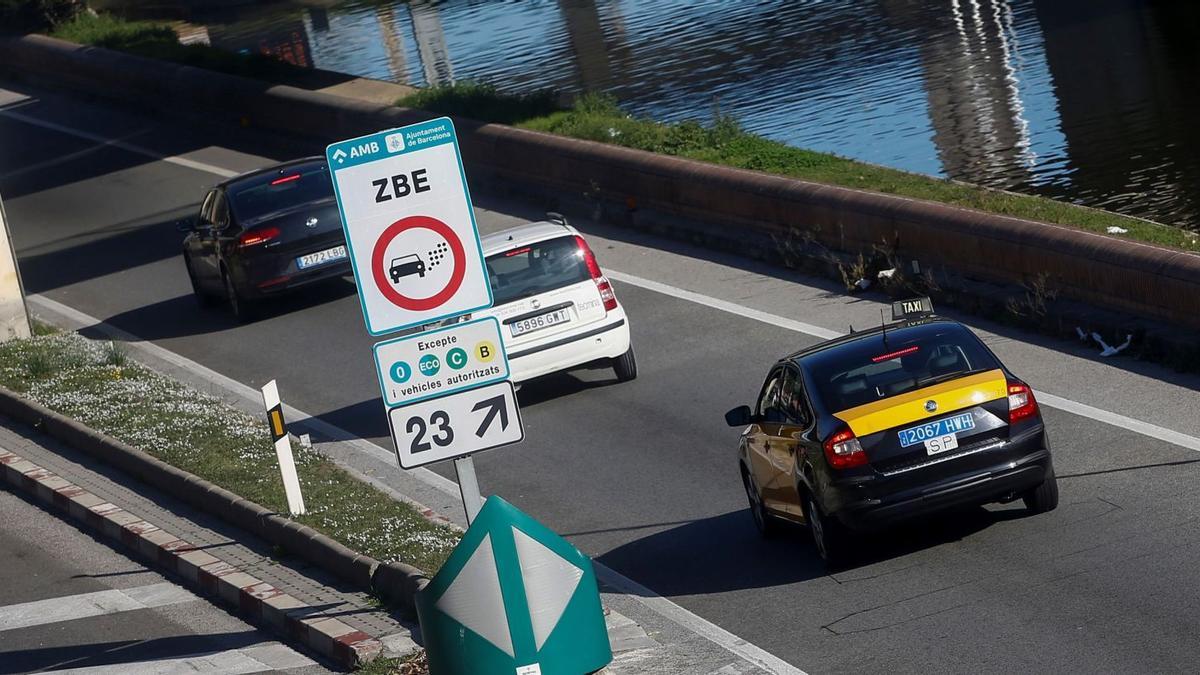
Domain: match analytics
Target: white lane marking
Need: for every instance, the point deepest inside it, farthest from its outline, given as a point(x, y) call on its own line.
point(234, 661)
point(1116, 420)
point(83, 605)
point(129, 147)
point(706, 629)
point(1044, 398)
point(646, 597)
point(723, 305)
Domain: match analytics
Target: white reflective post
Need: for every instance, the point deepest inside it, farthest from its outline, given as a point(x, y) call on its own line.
point(283, 448)
point(468, 484)
point(14, 317)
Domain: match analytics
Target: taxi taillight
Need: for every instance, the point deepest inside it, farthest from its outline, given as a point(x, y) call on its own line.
point(843, 450)
point(606, 290)
point(1021, 403)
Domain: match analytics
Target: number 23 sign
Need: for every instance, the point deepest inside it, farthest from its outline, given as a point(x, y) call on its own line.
point(455, 425)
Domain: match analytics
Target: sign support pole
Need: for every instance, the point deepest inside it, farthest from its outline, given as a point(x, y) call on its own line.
point(468, 484)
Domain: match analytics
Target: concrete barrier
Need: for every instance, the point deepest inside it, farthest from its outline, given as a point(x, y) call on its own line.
point(742, 206)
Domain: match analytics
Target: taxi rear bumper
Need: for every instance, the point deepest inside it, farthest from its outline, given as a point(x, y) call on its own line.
point(1013, 467)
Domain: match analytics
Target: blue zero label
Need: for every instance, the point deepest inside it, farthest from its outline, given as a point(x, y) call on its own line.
point(400, 372)
point(429, 365)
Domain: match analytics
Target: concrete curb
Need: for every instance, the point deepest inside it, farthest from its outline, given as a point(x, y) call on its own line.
point(395, 582)
point(254, 599)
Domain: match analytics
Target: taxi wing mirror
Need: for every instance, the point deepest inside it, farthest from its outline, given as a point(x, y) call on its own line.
point(739, 416)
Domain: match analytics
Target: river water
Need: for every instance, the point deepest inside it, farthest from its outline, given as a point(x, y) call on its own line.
point(1090, 101)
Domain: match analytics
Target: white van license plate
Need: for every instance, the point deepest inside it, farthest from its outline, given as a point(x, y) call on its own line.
point(540, 321)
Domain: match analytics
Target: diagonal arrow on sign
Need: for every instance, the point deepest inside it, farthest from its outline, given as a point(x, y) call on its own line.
point(494, 406)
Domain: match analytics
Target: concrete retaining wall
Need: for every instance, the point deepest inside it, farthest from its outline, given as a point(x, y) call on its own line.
point(1139, 279)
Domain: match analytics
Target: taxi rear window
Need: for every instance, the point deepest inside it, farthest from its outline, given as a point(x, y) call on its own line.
point(869, 370)
point(537, 268)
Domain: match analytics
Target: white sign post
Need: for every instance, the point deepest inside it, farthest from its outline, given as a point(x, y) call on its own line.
point(414, 246)
point(283, 448)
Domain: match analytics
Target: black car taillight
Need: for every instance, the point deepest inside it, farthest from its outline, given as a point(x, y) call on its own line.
point(1021, 403)
point(257, 236)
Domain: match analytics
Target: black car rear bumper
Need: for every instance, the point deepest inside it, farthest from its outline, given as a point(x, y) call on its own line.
point(259, 288)
point(1012, 468)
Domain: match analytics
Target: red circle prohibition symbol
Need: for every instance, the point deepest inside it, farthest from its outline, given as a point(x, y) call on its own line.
point(379, 269)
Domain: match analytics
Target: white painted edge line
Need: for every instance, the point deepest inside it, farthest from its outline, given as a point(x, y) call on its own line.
point(129, 147)
point(646, 597)
point(723, 305)
point(1044, 398)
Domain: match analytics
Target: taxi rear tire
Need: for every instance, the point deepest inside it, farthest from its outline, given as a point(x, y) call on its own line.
point(830, 537)
point(1044, 497)
point(766, 525)
point(625, 366)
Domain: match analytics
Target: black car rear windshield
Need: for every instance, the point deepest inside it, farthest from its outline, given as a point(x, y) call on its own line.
point(537, 268)
point(868, 370)
point(280, 191)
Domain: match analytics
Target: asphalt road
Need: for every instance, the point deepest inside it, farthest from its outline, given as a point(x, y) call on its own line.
point(642, 475)
point(69, 602)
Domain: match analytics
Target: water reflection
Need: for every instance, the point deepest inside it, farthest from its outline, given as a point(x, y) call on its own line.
point(1084, 100)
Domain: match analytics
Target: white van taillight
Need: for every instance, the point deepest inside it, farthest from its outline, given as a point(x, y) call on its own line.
point(606, 290)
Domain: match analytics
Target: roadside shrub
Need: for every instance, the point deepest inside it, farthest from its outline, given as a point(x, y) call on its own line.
point(481, 101)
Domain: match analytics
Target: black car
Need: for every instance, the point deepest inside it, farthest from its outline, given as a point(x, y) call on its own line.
point(264, 233)
point(884, 425)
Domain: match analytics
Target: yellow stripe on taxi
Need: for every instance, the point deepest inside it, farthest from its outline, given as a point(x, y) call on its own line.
point(909, 407)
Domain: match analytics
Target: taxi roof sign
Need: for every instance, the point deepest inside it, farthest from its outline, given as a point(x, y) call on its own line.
point(913, 308)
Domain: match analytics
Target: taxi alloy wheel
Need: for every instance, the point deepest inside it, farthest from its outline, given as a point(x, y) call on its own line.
point(765, 524)
point(826, 533)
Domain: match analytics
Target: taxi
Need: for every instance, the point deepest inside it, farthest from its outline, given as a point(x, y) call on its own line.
point(883, 425)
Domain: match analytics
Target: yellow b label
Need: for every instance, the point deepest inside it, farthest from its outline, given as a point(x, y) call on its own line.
point(485, 351)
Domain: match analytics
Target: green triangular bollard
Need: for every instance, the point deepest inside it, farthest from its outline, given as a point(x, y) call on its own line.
point(514, 598)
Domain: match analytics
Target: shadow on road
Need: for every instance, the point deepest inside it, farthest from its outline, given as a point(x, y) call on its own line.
point(87, 255)
point(118, 652)
point(181, 316)
point(725, 553)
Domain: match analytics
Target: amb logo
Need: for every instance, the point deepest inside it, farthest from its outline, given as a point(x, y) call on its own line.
point(360, 150)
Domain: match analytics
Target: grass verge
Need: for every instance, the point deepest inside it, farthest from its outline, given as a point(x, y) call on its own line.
point(599, 118)
point(159, 41)
point(97, 384)
point(413, 664)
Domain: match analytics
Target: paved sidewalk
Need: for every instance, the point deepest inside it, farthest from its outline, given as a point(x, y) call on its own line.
point(322, 595)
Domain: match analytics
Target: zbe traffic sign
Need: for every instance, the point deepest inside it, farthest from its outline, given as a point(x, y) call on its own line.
point(410, 228)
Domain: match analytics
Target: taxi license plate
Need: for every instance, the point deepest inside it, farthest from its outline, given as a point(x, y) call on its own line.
point(540, 321)
point(949, 426)
point(321, 257)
